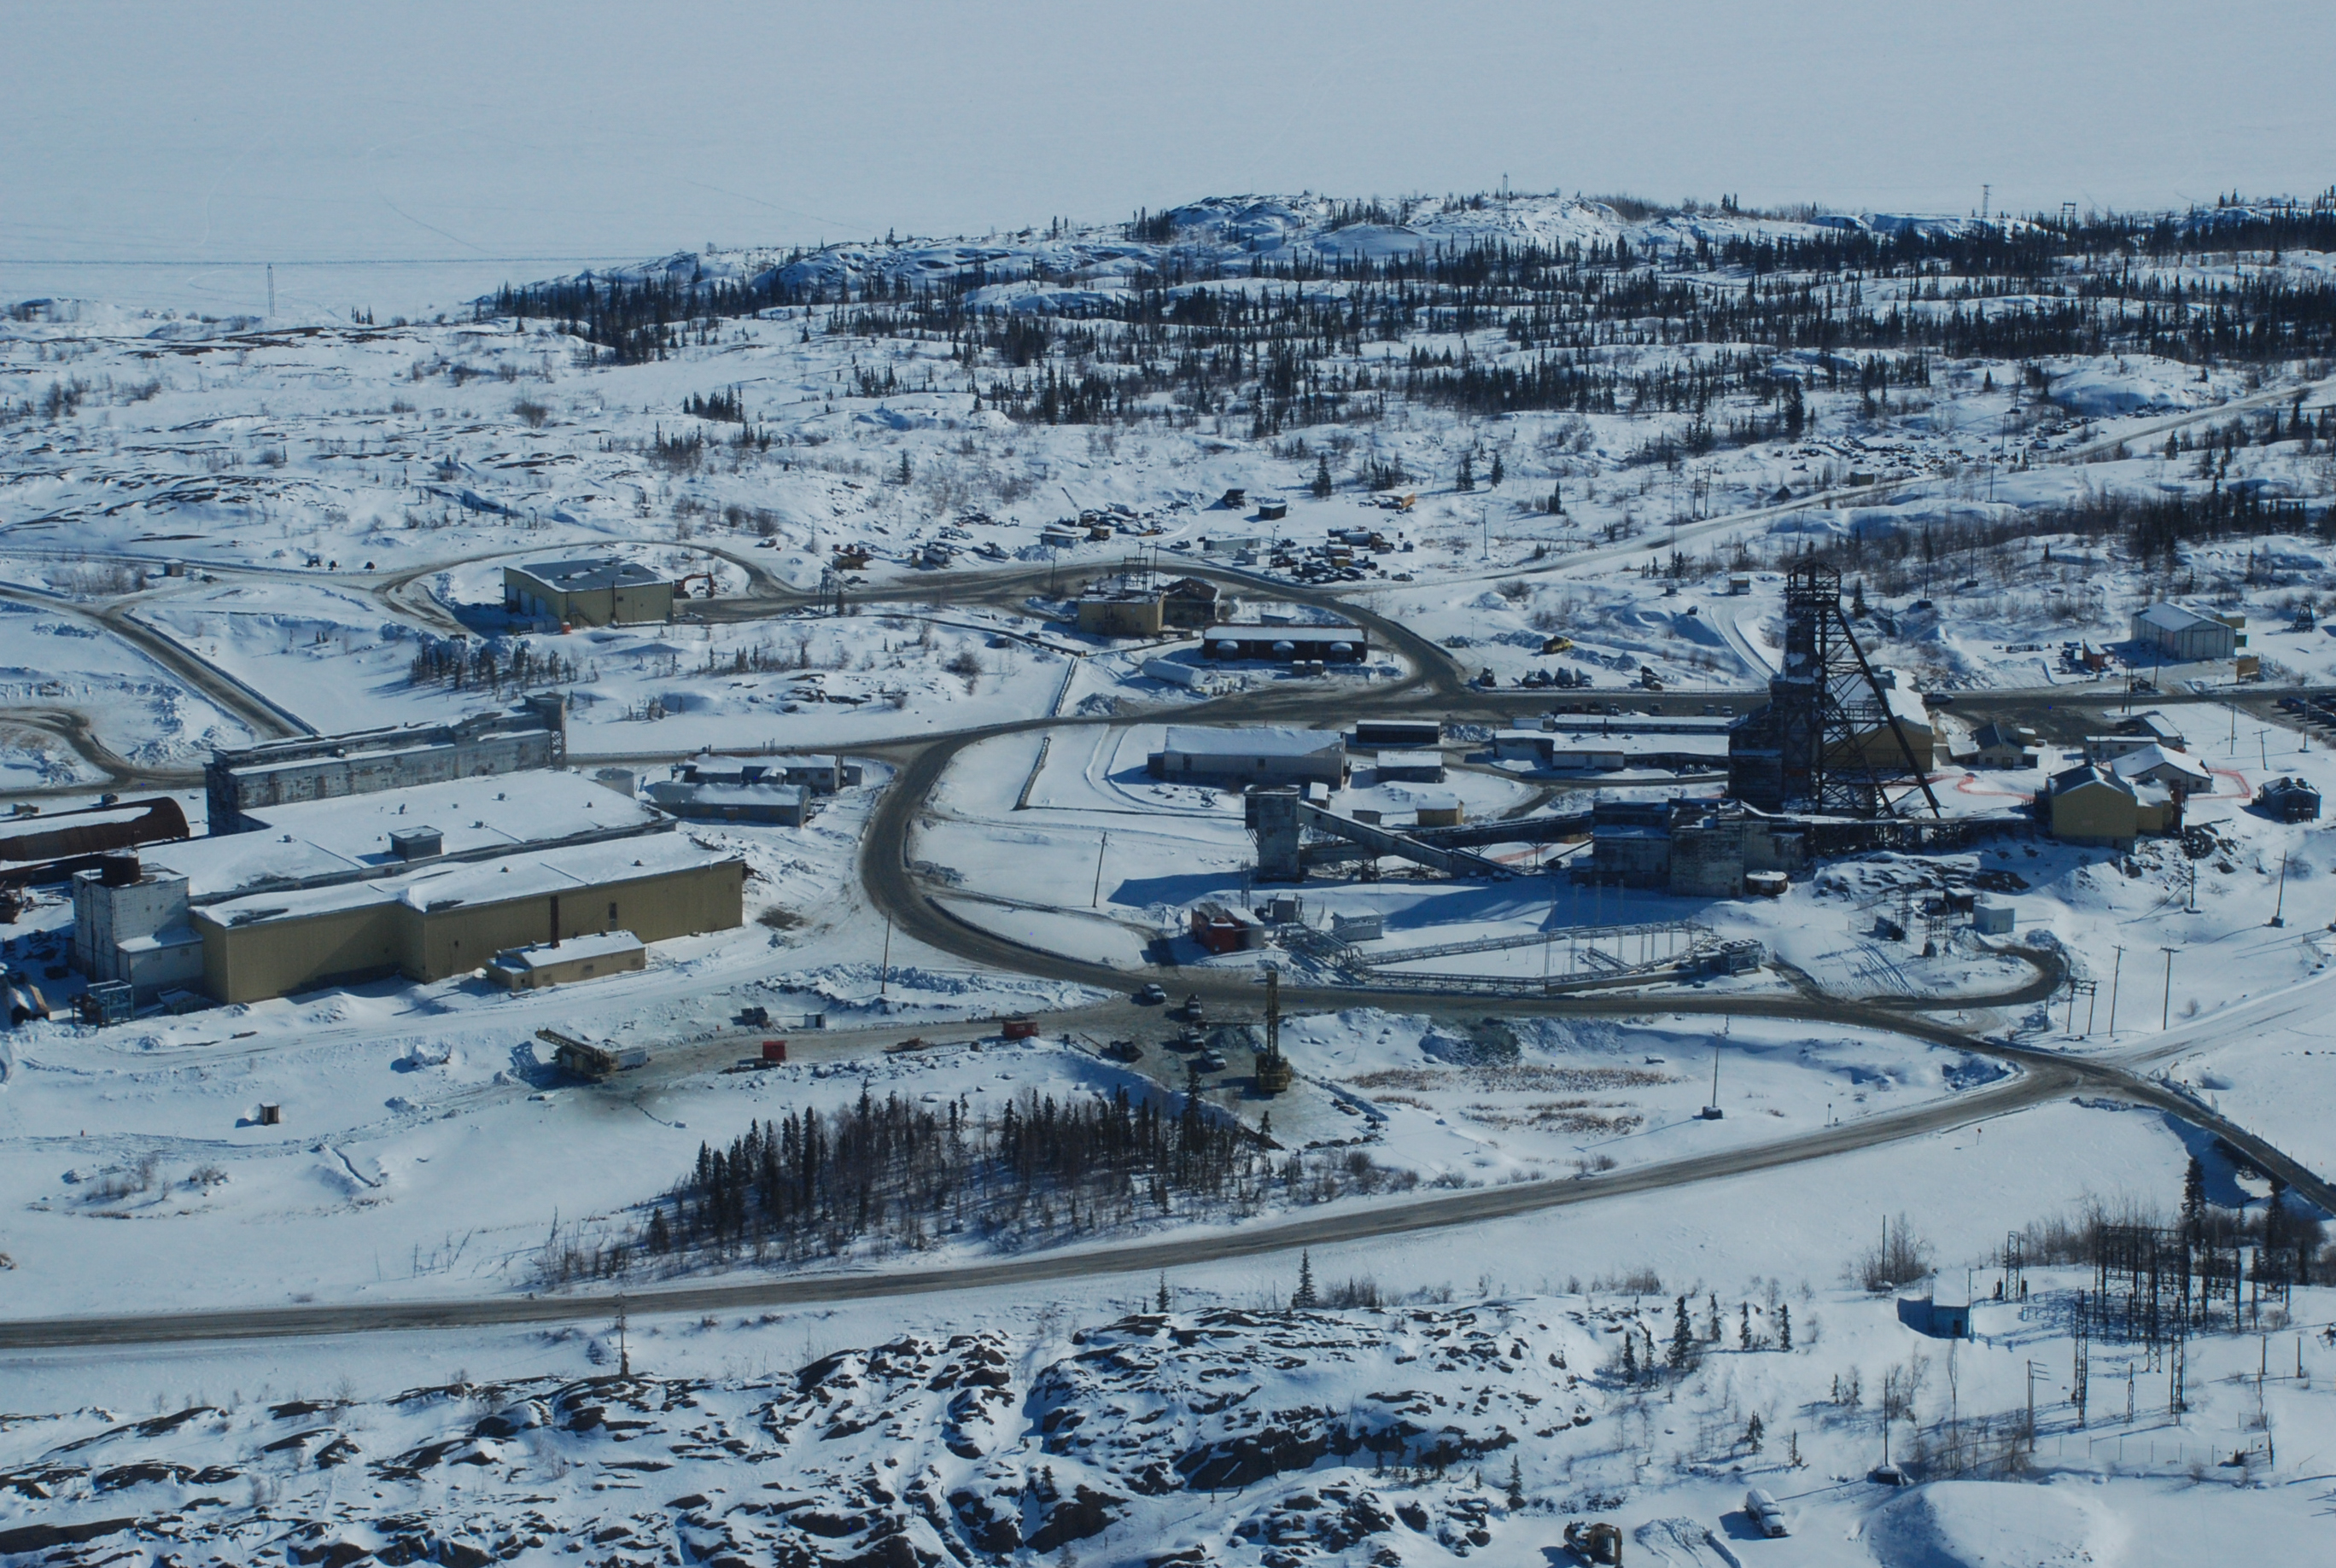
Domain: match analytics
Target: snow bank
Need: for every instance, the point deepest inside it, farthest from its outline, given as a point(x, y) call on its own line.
point(2105, 394)
point(1991, 1525)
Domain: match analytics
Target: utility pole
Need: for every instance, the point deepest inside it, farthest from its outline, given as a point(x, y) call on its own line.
point(2278, 907)
point(271, 290)
point(2166, 1010)
point(2082, 1379)
point(2115, 971)
point(2032, 1406)
point(1094, 899)
point(884, 969)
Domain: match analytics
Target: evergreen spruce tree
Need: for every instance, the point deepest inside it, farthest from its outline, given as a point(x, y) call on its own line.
point(1467, 478)
point(2193, 1199)
point(1306, 1296)
point(1493, 480)
point(1743, 1326)
point(1629, 1358)
point(1159, 1303)
point(1517, 1483)
point(1754, 1430)
point(1682, 1351)
point(1783, 1326)
point(1711, 1321)
point(1322, 475)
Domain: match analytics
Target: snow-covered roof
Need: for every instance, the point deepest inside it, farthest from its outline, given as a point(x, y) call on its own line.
point(1251, 632)
point(585, 576)
point(2154, 758)
point(351, 832)
point(1252, 741)
point(2174, 618)
point(542, 954)
point(2085, 773)
point(1995, 734)
point(717, 792)
point(534, 875)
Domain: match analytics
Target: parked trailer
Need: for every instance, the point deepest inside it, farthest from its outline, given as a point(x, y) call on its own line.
point(774, 1054)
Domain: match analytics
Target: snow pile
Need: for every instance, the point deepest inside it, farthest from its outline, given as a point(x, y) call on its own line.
point(1992, 1525)
point(2100, 392)
point(850, 985)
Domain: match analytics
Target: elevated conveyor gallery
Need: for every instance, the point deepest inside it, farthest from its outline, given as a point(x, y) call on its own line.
point(1279, 820)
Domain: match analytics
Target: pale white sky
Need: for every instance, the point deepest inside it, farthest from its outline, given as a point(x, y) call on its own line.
point(453, 130)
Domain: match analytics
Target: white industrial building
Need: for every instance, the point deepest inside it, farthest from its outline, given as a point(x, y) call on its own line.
point(1583, 753)
point(1419, 767)
point(1254, 754)
point(2184, 636)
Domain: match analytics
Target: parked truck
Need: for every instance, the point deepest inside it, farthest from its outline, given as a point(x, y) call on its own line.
point(588, 1059)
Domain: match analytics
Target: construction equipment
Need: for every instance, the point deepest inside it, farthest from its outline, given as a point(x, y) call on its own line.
point(586, 1059)
point(1594, 1542)
point(106, 1001)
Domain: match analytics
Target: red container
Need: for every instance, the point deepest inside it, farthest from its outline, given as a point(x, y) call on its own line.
point(774, 1051)
point(1021, 1028)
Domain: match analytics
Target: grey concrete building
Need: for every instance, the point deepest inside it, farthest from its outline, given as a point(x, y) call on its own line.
point(248, 780)
point(1254, 754)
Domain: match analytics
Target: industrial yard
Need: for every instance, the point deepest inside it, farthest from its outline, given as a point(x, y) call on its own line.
point(1374, 882)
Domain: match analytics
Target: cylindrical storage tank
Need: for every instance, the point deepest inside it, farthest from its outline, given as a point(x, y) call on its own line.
point(118, 871)
point(1228, 649)
point(1342, 650)
point(1285, 649)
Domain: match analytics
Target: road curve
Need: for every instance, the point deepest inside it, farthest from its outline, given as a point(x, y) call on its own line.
point(884, 872)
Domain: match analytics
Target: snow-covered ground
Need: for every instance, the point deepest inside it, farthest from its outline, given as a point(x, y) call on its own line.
point(315, 513)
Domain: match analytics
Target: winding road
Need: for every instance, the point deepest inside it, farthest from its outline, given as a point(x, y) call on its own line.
point(1435, 686)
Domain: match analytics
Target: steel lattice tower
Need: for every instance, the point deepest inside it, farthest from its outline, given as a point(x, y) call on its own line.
point(1828, 741)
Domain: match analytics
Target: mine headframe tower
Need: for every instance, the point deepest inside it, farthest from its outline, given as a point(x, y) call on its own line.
point(1828, 742)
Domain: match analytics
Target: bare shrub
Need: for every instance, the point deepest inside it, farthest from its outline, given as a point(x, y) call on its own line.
point(1896, 1258)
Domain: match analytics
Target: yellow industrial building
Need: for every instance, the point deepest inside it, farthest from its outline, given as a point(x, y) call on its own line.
point(428, 925)
point(2092, 804)
point(425, 883)
point(591, 593)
